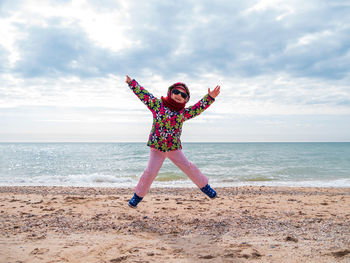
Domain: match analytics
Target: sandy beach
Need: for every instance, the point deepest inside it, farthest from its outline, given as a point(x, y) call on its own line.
point(244, 224)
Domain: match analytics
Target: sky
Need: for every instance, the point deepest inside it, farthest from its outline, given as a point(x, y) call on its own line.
point(283, 67)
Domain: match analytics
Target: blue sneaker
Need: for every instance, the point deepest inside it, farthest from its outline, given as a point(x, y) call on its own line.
point(209, 191)
point(135, 200)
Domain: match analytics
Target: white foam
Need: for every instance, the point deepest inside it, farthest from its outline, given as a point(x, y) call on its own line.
point(338, 183)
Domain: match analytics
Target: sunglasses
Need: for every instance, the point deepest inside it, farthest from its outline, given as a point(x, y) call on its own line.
point(183, 94)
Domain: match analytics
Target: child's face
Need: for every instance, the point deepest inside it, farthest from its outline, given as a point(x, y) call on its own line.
point(177, 97)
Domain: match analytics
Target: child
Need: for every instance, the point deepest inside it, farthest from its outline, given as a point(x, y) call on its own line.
point(169, 113)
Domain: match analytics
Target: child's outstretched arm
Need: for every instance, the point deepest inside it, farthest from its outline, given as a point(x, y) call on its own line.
point(202, 105)
point(146, 97)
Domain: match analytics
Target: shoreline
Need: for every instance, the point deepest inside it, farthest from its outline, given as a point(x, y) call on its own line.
point(245, 223)
point(107, 189)
point(328, 184)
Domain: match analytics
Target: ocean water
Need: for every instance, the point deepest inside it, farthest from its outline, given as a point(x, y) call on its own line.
point(226, 164)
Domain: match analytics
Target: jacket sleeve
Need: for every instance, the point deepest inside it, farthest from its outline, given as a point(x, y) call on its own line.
point(146, 97)
point(198, 108)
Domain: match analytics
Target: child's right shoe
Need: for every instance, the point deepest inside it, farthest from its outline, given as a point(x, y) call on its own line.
point(209, 191)
point(135, 200)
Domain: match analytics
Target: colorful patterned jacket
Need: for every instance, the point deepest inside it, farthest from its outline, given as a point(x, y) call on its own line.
point(167, 124)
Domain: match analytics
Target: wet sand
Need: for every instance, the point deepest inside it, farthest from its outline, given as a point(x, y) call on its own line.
point(244, 224)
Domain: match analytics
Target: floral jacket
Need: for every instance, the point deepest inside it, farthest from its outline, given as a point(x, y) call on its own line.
point(167, 124)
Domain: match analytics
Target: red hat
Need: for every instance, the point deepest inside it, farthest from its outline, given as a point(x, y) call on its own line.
point(179, 85)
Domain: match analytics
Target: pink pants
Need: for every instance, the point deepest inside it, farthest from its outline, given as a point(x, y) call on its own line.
point(155, 162)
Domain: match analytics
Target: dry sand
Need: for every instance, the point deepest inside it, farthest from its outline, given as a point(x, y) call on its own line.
point(244, 224)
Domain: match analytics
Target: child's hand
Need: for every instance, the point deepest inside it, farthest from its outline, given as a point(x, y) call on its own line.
point(128, 79)
point(215, 92)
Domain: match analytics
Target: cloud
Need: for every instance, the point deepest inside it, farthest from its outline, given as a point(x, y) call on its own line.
point(187, 37)
point(8, 6)
point(272, 58)
point(3, 59)
point(104, 5)
point(54, 50)
point(299, 39)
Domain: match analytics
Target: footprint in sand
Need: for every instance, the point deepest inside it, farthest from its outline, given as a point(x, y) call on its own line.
point(39, 251)
point(207, 257)
point(119, 259)
point(341, 253)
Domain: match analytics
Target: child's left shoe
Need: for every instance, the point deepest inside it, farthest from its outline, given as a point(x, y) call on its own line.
point(209, 191)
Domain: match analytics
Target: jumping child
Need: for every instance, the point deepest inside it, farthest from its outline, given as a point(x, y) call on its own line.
point(169, 113)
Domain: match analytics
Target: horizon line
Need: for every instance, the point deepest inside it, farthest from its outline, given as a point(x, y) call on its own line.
point(182, 142)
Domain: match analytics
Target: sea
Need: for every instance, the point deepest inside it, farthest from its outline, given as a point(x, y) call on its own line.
point(226, 164)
